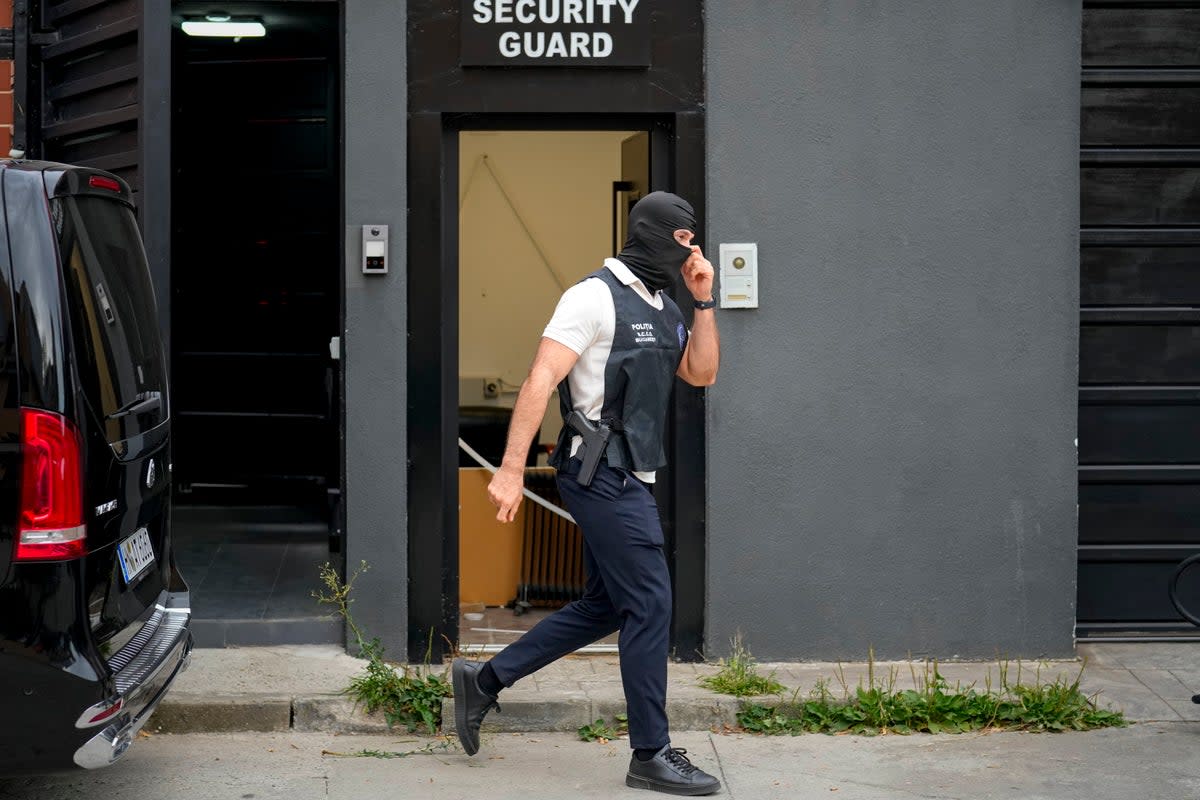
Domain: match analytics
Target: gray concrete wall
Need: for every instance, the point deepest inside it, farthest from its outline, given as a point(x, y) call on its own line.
point(891, 440)
point(376, 318)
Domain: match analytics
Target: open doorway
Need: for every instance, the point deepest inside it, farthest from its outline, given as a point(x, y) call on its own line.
point(538, 212)
point(676, 163)
point(256, 299)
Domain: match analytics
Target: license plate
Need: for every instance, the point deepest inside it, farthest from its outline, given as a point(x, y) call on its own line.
point(136, 555)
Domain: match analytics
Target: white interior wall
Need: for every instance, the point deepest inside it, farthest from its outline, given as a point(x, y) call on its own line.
point(559, 184)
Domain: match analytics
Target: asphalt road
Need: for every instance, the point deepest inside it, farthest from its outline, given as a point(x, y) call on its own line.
point(1159, 761)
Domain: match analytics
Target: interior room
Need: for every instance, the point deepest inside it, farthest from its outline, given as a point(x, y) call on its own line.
point(539, 211)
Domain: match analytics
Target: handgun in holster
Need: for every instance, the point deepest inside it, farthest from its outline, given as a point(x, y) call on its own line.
point(595, 442)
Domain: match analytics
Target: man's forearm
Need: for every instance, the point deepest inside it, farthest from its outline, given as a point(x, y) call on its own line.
point(704, 347)
point(526, 421)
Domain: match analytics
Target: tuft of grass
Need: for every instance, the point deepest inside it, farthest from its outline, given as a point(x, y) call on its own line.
point(603, 732)
point(739, 676)
point(409, 697)
point(933, 707)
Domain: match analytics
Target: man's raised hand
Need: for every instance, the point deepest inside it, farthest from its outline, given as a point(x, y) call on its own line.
point(698, 274)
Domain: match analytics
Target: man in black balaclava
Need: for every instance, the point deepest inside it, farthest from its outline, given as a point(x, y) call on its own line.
point(651, 250)
point(613, 348)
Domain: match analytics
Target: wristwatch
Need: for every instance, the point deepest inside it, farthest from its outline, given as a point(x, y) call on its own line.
point(703, 304)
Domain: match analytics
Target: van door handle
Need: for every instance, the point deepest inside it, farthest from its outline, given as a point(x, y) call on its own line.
point(144, 402)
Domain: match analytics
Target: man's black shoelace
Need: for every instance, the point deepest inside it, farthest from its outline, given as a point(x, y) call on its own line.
point(676, 757)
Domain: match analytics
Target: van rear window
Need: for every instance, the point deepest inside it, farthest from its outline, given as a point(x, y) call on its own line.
point(114, 324)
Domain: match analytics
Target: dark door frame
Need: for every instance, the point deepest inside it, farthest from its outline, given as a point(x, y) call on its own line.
point(676, 163)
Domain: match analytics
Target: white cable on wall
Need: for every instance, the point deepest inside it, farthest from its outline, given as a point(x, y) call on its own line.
point(462, 198)
point(487, 163)
point(483, 462)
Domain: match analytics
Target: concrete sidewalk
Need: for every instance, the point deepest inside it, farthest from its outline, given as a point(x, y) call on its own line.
point(1151, 761)
point(298, 689)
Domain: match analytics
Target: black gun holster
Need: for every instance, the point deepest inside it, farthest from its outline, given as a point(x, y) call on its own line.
point(595, 443)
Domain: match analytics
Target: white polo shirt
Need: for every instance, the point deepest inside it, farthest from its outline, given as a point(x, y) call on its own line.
point(586, 321)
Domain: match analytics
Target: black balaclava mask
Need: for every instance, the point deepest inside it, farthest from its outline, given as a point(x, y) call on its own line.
point(651, 252)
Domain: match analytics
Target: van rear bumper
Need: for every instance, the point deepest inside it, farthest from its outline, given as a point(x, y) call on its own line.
point(143, 672)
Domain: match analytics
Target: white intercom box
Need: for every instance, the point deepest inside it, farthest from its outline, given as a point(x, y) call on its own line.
point(739, 275)
point(374, 249)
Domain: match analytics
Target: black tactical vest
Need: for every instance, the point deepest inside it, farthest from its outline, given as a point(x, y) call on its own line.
point(647, 349)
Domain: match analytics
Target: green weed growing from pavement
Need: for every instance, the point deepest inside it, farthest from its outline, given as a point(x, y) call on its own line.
point(409, 697)
point(933, 706)
point(739, 676)
point(431, 749)
point(603, 732)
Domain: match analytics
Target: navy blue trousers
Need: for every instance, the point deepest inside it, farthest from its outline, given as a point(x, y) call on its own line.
point(628, 589)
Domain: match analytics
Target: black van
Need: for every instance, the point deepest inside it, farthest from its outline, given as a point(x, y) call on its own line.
point(93, 615)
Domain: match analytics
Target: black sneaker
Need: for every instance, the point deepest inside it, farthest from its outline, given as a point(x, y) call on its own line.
point(471, 704)
point(671, 772)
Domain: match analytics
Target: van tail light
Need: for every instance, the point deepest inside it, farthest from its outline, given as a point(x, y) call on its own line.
point(100, 182)
point(50, 524)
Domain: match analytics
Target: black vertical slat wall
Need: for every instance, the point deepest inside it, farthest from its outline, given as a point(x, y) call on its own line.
point(1139, 397)
point(80, 83)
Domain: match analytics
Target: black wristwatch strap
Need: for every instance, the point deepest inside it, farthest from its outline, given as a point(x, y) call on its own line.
point(703, 304)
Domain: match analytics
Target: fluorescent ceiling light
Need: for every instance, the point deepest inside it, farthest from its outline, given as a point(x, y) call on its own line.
point(232, 29)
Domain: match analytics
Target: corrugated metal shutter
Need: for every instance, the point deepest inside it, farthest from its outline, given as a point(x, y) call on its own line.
point(1139, 406)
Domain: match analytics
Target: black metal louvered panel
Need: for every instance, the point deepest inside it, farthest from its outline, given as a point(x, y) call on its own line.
point(1139, 413)
point(81, 79)
point(92, 87)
